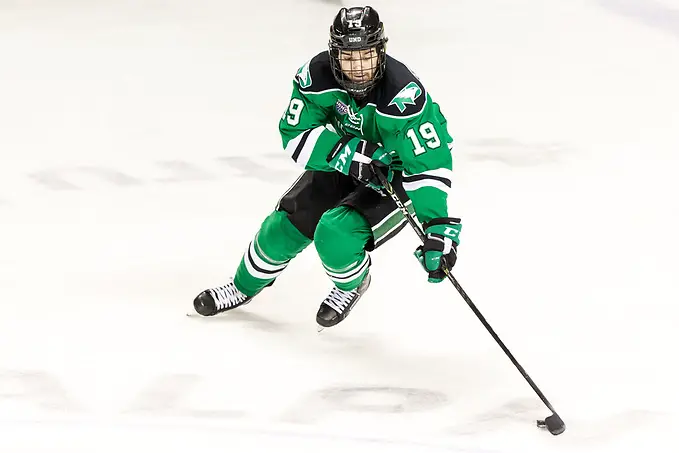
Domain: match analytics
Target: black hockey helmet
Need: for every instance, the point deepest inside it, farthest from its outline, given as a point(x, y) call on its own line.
point(357, 29)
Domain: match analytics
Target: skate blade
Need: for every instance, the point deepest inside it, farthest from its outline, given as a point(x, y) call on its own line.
point(195, 315)
point(319, 328)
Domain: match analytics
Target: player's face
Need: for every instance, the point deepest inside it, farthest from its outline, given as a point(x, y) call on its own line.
point(359, 65)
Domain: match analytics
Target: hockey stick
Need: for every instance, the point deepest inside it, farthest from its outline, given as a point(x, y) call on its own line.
point(553, 423)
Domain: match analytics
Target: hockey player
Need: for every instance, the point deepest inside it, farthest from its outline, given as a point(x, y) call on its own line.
point(354, 110)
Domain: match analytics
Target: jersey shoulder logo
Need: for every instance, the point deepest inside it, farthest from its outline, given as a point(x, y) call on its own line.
point(304, 75)
point(341, 107)
point(406, 96)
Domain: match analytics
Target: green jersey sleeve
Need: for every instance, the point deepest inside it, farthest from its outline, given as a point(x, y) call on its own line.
point(305, 126)
point(422, 142)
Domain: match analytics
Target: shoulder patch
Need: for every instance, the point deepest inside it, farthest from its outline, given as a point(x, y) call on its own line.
point(304, 75)
point(406, 96)
point(401, 95)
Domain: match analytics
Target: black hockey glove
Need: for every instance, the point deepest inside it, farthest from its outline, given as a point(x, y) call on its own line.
point(440, 245)
point(360, 159)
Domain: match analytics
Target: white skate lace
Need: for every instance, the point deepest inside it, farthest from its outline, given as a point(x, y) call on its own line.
point(227, 296)
point(339, 299)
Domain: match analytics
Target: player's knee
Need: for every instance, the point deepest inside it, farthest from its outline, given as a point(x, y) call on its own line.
point(279, 238)
point(341, 235)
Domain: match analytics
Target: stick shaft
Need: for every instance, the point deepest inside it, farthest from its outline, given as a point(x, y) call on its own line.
point(390, 190)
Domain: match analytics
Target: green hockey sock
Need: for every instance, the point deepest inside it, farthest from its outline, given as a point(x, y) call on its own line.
point(340, 240)
point(267, 256)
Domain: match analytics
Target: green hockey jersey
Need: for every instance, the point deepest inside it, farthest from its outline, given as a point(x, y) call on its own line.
point(399, 114)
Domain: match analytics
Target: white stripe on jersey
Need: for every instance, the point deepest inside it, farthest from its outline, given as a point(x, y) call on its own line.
point(308, 148)
point(427, 178)
point(439, 172)
point(411, 186)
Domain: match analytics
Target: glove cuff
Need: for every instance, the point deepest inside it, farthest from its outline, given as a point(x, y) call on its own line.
point(339, 146)
point(448, 228)
point(442, 221)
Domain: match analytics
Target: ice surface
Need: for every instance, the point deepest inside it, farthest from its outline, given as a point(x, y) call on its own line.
point(140, 153)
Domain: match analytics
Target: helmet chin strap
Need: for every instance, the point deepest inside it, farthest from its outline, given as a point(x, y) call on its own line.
point(359, 93)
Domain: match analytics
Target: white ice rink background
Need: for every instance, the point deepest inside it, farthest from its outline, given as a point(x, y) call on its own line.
point(139, 153)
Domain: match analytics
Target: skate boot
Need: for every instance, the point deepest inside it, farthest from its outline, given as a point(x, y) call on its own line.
point(339, 303)
point(220, 299)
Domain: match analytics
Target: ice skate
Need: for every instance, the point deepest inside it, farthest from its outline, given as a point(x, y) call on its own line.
point(217, 300)
point(339, 303)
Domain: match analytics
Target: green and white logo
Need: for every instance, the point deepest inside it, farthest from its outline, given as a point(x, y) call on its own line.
point(406, 96)
point(353, 120)
point(304, 75)
point(342, 159)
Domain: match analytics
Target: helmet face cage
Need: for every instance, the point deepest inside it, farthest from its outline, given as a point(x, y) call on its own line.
point(355, 31)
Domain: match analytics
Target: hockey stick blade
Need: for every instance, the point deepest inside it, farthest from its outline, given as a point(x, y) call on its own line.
point(553, 424)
